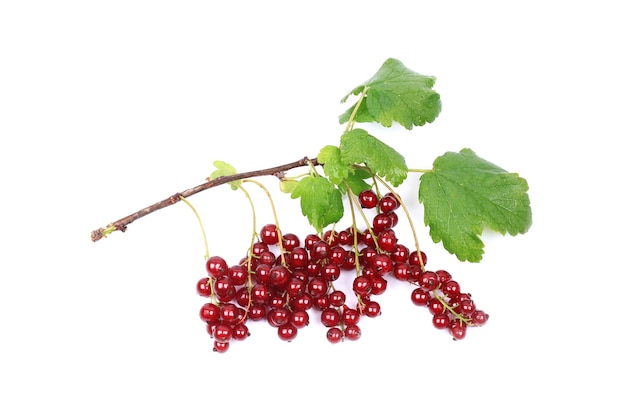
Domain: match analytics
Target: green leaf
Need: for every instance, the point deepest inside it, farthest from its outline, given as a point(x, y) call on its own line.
point(334, 167)
point(356, 181)
point(362, 115)
point(223, 170)
point(287, 186)
point(396, 93)
point(464, 194)
point(359, 147)
point(320, 201)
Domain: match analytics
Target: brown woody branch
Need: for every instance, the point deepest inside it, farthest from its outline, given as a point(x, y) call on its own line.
point(123, 223)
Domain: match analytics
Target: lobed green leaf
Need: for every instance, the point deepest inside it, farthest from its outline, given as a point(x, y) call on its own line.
point(359, 147)
point(320, 201)
point(464, 194)
point(396, 93)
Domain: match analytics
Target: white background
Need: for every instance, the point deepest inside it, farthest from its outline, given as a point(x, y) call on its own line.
point(108, 107)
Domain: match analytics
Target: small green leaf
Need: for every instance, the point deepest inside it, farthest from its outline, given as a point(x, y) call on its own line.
point(464, 194)
point(287, 186)
point(223, 170)
point(396, 93)
point(336, 169)
point(359, 147)
point(320, 201)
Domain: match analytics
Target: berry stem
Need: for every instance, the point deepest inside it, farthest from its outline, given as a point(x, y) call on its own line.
point(206, 245)
point(122, 224)
point(275, 215)
point(350, 124)
point(408, 217)
point(355, 243)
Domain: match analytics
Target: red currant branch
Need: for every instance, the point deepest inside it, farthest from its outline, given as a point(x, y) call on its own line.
point(122, 224)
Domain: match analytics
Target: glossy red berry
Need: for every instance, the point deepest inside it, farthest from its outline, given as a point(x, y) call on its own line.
point(269, 234)
point(216, 266)
point(287, 332)
point(368, 199)
point(334, 335)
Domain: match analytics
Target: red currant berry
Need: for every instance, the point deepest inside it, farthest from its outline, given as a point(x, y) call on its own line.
point(320, 250)
point(267, 257)
point(352, 332)
point(260, 294)
point(331, 237)
point(414, 259)
point(444, 276)
point(379, 285)
point(242, 297)
point(298, 258)
point(402, 271)
point(399, 254)
point(237, 274)
point(380, 222)
point(317, 287)
point(299, 318)
point(457, 329)
point(216, 266)
point(295, 287)
point(388, 203)
point(220, 347)
point(278, 316)
point(334, 335)
point(224, 289)
point(330, 317)
point(257, 312)
point(466, 308)
point(337, 255)
point(362, 285)
point(330, 272)
point(451, 288)
point(310, 240)
point(479, 318)
point(371, 309)
point(428, 280)
point(436, 306)
point(279, 276)
point(269, 234)
point(258, 248)
point(394, 218)
point(350, 316)
point(382, 263)
point(368, 199)
point(441, 320)
point(287, 332)
point(203, 287)
point(350, 261)
point(222, 332)
point(321, 302)
point(387, 240)
point(290, 241)
point(303, 301)
point(210, 313)
point(345, 237)
point(262, 273)
point(419, 297)
point(229, 313)
point(337, 298)
point(240, 332)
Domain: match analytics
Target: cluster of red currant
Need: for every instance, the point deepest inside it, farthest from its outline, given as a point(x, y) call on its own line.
point(282, 279)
